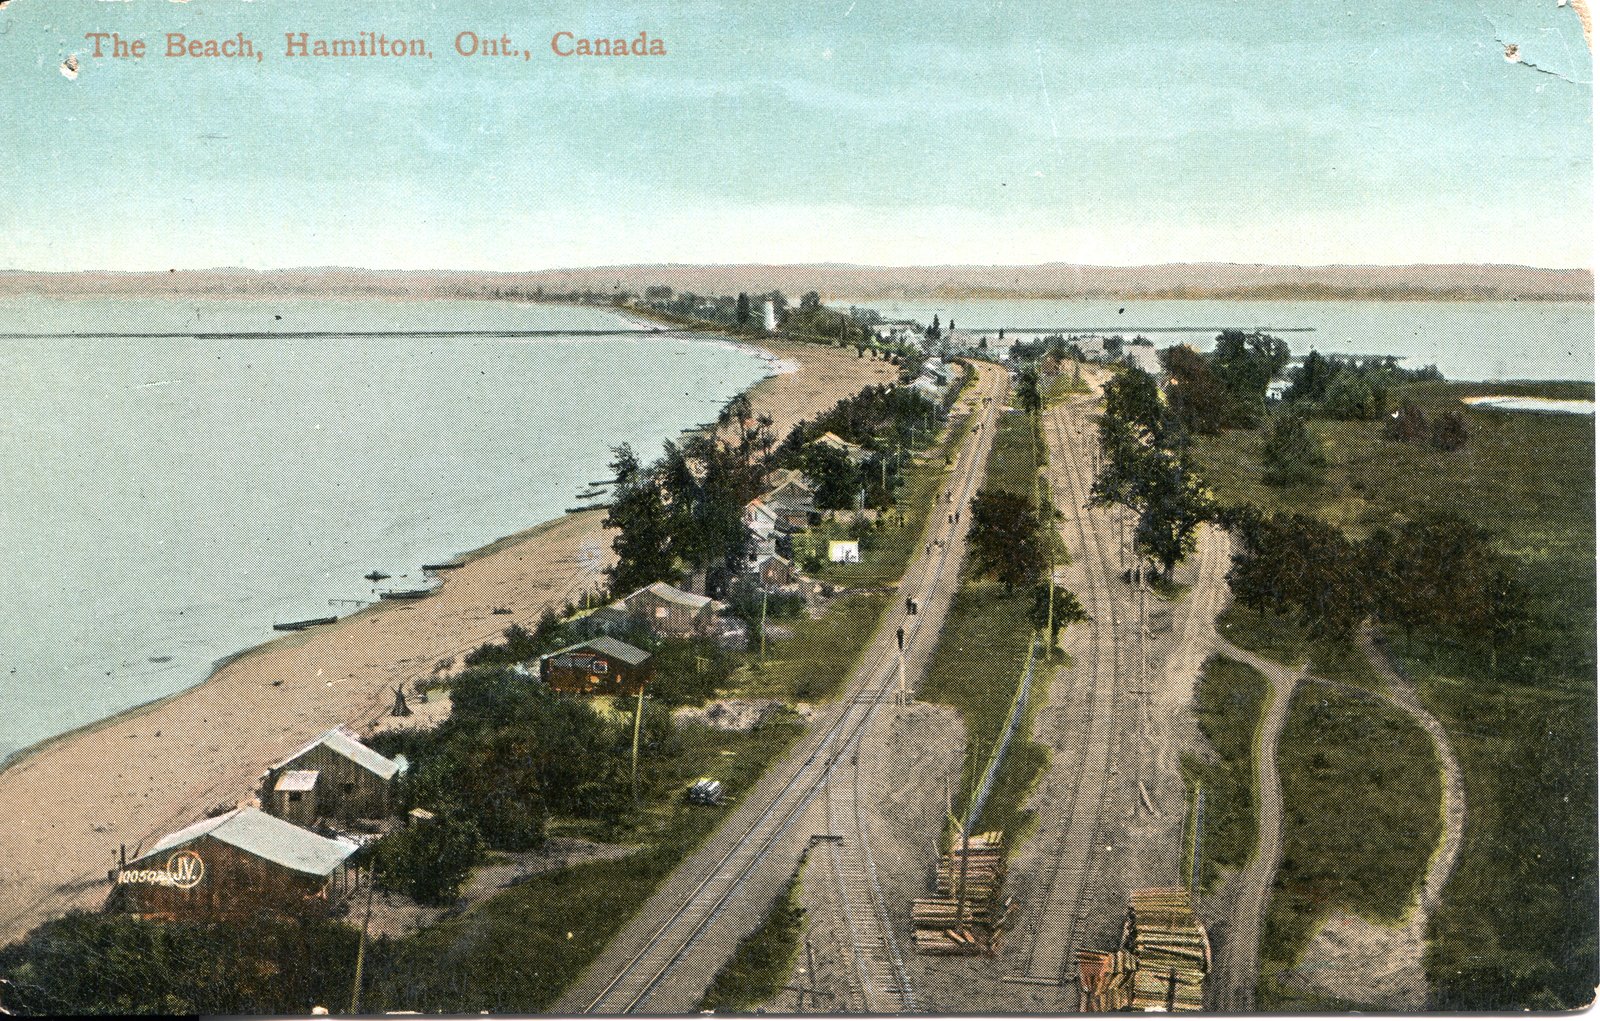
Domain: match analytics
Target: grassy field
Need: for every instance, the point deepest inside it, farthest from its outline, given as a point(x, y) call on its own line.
point(1361, 793)
point(813, 663)
point(981, 653)
point(1517, 926)
point(760, 967)
point(1227, 703)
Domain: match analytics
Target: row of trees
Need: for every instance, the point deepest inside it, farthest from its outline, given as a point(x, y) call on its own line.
point(1439, 573)
point(1142, 470)
point(1226, 389)
point(1333, 386)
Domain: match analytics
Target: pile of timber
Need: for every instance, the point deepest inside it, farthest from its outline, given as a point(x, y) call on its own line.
point(1162, 963)
point(966, 915)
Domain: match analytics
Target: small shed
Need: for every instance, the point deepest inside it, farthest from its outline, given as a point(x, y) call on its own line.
point(241, 864)
point(669, 611)
point(294, 796)
point(844, 551)
point(773, 571)
point(600, 666)
point(338, 777)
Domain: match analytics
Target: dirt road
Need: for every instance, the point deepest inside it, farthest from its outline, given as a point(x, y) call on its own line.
point(665, 957)
point(1381, 965)
point(1238, 957)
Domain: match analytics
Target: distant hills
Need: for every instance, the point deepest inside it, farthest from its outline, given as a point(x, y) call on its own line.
point(1426, 282)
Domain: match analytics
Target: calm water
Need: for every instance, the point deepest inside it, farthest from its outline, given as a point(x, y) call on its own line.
point(164, 501)
point(1466, 340)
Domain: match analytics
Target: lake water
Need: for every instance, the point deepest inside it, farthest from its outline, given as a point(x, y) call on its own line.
point(164, 501)
point(1466, 340)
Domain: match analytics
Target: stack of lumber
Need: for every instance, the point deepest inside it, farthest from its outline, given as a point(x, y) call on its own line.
point(966, 914)
point(1162, 963)
point(1105, 980)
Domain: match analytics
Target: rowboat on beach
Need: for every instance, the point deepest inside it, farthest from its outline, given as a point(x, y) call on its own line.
point(407, 593)
point(301, 625)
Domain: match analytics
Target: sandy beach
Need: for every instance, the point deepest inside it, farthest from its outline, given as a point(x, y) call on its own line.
point(71, 801)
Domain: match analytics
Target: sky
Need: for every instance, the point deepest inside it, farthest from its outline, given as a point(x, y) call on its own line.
point(861, 131)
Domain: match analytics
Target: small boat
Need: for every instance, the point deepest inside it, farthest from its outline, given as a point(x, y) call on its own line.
point(450, 565)
point(301, 625)
point(376, 576)
point(590, 494)
point(407, 593)
point(588, 507)
point(604, 482)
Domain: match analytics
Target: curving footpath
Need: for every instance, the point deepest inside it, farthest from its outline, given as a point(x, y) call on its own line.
point(1239, 957)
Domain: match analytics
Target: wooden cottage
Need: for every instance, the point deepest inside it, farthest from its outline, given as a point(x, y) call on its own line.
point(333, 777)
point(240, 865)
point(671, 612)
point(600, 666)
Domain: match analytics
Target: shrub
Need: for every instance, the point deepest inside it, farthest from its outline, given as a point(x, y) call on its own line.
point(429, 861)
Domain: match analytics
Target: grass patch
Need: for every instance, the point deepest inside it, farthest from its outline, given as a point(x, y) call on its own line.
point(1227, 703)
point(814, 662)
point(1518, 922)
point(975, 671)
point(1064, 385)
point(1361, 796)
point(517, 951)
point(760, 967)
point(1283, 640)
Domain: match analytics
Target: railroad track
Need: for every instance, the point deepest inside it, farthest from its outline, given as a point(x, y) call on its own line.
point(879, 982)
point(1064, 909)
point(684, 927)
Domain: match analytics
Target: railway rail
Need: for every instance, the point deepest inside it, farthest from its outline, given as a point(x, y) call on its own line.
point(636, 983)
point(1063, 910)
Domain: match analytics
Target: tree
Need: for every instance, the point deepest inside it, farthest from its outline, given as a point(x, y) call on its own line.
point(1290, 456)
point(1066, 610)
point(836, 478)
point(429, 861)
point(1246, 363)
point(1408, 425)
point(1005, 538)
point(1449, 431)
point(1199, 401)
point(741, 314)
point(1133, 399)
point(1172, 504)
point(643, 542)
point(1028, 397)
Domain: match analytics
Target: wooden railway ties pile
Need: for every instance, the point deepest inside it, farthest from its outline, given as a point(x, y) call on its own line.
point(966, 915)
point(1162, 963)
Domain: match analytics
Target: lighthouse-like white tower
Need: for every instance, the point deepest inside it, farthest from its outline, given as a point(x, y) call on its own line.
point(769, 317)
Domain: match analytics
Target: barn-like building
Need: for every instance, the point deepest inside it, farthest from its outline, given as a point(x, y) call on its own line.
point(241, 864)
point(333, 777)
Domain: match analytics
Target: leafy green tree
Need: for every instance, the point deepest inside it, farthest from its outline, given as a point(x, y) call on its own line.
point(1246, 363)
point(1199, 401)
point(1005, 539)
point(643, 542)
point(1133, 399)
point(837, 480)
point(429, 861)
point(1290, 456)
point(1172, 504)
point(1066, 610)
point(741, 315)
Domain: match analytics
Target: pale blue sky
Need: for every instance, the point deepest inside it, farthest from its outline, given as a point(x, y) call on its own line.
point(841, 130)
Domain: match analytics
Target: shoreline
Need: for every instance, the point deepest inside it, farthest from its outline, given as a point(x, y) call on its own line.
point(73, 797)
